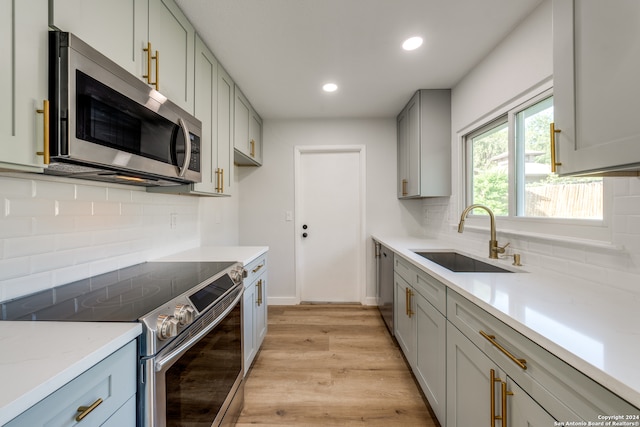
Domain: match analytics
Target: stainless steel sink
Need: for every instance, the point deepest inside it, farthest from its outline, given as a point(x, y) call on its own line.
point(461, 263)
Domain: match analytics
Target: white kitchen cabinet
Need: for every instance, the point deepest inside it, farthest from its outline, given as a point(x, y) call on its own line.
point(596, 57)
point(104, 394)
point(247, 132)
point(96, 21)
point(548, 384)
point(123, 29)
point(212, 92)
point(473, 378)
point(225, 129)
point(254, 309)
point(424, 145)
point(23, 83)
point(173, 37)
point(421, 331)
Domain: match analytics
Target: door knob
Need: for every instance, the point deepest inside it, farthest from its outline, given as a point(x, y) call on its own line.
point(304, 235)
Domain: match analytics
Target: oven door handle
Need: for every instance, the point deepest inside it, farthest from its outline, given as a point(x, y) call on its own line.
point(171, 357)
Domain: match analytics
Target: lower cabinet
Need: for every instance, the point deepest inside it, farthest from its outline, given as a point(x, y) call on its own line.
point(254, 309)
point(104, 395)
point(421, 333)
point(475, 370)
point(480, 393)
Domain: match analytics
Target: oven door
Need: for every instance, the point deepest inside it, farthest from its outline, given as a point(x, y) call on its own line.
point(199, 383)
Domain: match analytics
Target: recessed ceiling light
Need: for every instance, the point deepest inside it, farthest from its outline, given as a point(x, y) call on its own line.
point(330, 87)
point(412, 43)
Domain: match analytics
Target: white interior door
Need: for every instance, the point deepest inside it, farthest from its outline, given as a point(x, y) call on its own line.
point(329, 224)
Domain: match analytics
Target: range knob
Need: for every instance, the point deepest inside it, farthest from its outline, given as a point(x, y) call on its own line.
point(184, 313)
point(237, 274)
point(167, 326)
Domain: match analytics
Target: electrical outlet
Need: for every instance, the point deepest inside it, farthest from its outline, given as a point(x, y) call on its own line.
point(173, 220)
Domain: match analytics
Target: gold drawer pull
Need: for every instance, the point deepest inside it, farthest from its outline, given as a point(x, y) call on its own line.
point(255, 270)
point(522, 363)
point(86, 410)
point(554, 163)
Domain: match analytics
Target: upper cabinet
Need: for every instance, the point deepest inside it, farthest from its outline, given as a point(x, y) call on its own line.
point(153, 40)
point(23, 84)
point(424, 145)
point(596, 57)
point(247, 132)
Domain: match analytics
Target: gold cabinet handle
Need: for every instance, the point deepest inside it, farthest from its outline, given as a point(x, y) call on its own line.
point(259, 299)
point(157, 82)
point(503, 399)
point(253, 148)
point(218, 180)
point(553, 132)
point(503, 394)
point(493, 380)
point(404, 187)
point(255, 270)
point(45, 148)
point(221, 180)
point(522, 363)
point(149, 58)
point(86, 410)
point(408, 295)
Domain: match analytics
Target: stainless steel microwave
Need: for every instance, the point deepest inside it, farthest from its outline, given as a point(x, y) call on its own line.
point(107, 125)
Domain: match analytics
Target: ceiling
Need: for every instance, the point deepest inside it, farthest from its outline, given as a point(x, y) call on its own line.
point(281, 52)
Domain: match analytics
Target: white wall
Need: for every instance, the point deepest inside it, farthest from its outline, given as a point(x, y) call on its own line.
point(56, 231)
point(520, 63)
point(268, 192)
point(219, 218)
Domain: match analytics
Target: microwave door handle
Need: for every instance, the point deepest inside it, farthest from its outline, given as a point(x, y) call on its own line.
point(187, 148)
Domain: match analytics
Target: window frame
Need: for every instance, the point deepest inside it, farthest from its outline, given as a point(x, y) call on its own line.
point(546, 228)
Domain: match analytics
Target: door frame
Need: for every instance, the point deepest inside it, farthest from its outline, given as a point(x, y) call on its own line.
point(310, 149)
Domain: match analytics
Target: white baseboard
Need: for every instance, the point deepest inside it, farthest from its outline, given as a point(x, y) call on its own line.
point(283, 301)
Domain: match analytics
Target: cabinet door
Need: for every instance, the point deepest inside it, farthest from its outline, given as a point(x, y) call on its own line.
point(261, 310)
point(596, 57)
point(172, 35)
point(242, 115)
point(205, 102)
point(403, 155)
point(469, 384)
point(431, 353)
point(248, 318)
point(23, 82)
point(523, 411)
point(116, 28)
point(404, 322)
point(255, 136)
point(225, 129)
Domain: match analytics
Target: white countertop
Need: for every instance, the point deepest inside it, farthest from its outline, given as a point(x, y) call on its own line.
point(37, 358)
point(592, 327)
point(242, 254)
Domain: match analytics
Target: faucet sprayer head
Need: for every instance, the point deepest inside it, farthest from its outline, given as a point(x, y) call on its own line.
point(461, 226)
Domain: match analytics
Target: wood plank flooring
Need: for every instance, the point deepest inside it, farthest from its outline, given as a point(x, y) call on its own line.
point(331, 365)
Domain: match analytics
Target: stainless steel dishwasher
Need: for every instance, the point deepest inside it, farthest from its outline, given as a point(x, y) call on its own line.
point(384, 283)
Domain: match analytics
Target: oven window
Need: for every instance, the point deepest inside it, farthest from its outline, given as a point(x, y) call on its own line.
point(198, 384)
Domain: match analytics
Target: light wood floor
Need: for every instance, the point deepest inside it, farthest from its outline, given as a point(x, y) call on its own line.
point(331, 365)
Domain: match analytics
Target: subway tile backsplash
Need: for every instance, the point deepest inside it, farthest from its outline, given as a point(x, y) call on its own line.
point(56, 231)
point(617, 265)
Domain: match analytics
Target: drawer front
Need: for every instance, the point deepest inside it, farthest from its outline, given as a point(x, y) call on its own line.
point(432, 290)
point(546, 378)
point(255, 268)
point(404, 270)
point(113, 380)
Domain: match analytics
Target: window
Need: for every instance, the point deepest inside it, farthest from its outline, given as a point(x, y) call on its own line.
point(509, 169)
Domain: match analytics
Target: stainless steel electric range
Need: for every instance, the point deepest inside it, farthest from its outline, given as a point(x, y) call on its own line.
point(190, 351)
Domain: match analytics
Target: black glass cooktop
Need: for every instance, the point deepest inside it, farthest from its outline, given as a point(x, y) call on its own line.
point(122, 295)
